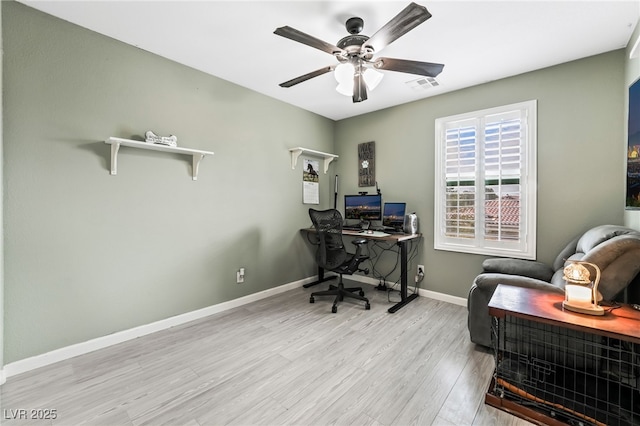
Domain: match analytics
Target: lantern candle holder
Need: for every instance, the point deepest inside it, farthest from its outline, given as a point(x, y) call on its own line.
point(581, 293)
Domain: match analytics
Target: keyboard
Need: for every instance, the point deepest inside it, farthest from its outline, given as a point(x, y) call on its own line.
point(389, 230)
point(375, 233)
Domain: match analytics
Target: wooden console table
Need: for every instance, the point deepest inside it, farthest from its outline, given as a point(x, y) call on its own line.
point(556, 367)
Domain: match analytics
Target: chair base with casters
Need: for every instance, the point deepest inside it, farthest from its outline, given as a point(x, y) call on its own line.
point(332, 256)
point(341, 292)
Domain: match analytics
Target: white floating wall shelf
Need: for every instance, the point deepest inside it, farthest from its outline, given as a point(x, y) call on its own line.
point(296, 152)
point(197, 155)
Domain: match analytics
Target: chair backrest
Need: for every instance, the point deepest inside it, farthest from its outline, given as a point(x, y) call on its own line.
point(591, 238)
point(616, 251)
point(328, 224)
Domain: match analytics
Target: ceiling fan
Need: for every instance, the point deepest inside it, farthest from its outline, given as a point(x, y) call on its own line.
point(357, 68)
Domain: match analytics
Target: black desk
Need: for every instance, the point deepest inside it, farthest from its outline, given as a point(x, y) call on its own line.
point(401, 240)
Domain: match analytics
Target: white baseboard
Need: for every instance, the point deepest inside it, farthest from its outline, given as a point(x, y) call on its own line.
point(82, 348)
point(455, 300)
point(28, 364)
point(421, 292)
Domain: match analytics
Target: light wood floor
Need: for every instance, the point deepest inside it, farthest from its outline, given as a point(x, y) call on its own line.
point(279, 361)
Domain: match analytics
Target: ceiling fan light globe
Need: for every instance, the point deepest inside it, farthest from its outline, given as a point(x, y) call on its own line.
point(372, 78)
point(344, 73)
point(345, 88)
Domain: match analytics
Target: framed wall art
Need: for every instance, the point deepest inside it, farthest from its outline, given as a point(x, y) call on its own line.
point(367, 164)
point(633, 148)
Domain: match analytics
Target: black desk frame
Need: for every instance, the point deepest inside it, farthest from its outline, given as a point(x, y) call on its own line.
point(401, 240)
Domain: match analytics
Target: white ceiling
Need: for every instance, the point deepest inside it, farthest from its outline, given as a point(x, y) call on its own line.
point(478, 41)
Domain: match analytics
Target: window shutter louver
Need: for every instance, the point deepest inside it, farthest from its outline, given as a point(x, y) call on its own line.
point(485, 195)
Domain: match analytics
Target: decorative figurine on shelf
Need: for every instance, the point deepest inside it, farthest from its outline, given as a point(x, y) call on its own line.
point(162, 140)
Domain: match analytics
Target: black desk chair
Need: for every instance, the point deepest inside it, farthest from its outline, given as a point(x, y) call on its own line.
point(332, 256)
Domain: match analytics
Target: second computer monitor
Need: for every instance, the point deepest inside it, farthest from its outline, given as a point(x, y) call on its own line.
point(363, 207)
point(393, 215)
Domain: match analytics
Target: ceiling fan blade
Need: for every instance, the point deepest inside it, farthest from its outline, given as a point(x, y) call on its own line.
point(306, 77)
point(412, 16)
point(300, 37)
point(411, 67)
point(359, 88)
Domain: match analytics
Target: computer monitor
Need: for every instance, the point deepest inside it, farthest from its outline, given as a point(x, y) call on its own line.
point(363, 207)
point(393, 215)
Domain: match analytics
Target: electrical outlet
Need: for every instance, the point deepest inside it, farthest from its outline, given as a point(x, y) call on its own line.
point(420, 271)
point(240, 276)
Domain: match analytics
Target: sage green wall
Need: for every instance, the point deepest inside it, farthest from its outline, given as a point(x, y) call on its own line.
point(632, 73)
point(88, 254)
point(580, 110)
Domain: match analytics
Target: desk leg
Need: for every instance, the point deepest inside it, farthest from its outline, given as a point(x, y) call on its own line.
point(404, 297)
point(321, 278)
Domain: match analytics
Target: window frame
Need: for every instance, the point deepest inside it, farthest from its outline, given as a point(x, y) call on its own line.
point(525, 248)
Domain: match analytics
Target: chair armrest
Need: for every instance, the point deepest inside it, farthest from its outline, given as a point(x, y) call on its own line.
point(619, 262)
point(479, 321)
point(519, 267)
point(357, 257)
point(488, 282)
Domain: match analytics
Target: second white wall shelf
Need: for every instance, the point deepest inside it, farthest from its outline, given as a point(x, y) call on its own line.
point(296, 152)
point(197, 155)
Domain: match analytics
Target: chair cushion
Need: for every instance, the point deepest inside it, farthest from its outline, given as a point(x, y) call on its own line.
point(558, 279)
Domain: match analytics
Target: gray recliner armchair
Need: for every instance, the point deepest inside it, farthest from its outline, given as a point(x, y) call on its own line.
point(615, 249)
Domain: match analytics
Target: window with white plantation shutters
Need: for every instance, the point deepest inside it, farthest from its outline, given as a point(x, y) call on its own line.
point(486, 181)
